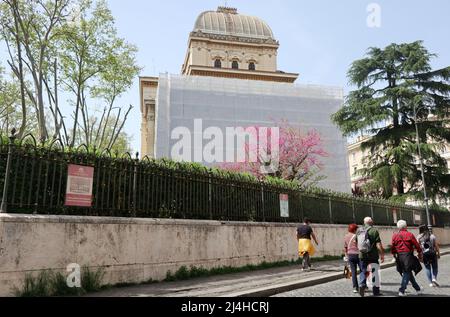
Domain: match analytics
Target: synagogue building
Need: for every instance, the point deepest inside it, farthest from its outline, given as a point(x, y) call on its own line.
point(230, 78)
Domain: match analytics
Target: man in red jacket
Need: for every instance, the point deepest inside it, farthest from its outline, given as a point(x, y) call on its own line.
point(403, 245)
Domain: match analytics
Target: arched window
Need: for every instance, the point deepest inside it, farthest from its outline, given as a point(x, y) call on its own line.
point(251, 66)
point(235, 65)
point(218, 63)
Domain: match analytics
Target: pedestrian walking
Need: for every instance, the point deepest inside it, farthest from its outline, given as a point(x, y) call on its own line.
point(305, 247)
point(351, 252)
point(403, 245)
point(431, 254)
point(370, 252)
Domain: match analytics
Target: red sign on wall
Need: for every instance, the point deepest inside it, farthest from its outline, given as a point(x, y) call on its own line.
point(80, 180)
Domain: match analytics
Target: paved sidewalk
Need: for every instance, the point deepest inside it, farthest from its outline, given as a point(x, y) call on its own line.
point(248, 284)
point(390, 284)
point(223, 285)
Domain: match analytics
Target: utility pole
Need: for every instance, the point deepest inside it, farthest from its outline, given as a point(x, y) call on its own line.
point(422, 170)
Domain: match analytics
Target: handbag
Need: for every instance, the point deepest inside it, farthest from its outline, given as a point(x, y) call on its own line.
point(347, 272)
point(417, 265)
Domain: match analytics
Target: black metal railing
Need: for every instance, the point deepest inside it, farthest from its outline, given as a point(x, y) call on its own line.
point(125, 186)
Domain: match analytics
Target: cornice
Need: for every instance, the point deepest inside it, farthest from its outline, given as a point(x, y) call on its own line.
point(232, 38)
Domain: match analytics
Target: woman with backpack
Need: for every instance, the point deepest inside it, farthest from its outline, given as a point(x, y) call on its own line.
point(352, 254)
point(431, 254)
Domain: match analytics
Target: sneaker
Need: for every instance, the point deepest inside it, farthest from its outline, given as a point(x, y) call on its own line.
point(400, 294)
point(419, 292)
point(435, 283)
point(431, 285)
point(362, 291)
point(355, 290)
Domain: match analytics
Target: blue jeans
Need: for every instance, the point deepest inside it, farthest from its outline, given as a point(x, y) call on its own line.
point(431, 267)
point(362, 276)
point(355, 263)
point(408, 277)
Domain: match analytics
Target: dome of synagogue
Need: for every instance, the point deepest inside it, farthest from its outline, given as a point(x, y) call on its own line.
point(226, 21)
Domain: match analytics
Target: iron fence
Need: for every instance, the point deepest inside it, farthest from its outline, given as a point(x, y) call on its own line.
point(125, 186)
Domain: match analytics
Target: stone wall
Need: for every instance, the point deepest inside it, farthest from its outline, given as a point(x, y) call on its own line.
point(136, 250)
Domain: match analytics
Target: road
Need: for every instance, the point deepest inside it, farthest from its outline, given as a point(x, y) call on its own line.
point(389, 287)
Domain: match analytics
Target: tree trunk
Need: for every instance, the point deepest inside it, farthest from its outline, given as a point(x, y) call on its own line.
point(43, 134)
point(396, 123)
point(22, 83)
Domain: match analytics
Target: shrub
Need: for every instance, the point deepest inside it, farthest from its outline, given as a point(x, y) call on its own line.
point(48, 283)
point(39, 286)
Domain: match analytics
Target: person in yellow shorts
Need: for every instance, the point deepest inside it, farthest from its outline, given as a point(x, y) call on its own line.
point(305, 246)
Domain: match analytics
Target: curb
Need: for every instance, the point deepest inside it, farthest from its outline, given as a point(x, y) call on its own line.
point(287, 287)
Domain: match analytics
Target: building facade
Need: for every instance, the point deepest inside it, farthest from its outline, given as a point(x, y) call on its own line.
point(223, 44)
point(230, 79)
point(231, 45)
point(356, 162)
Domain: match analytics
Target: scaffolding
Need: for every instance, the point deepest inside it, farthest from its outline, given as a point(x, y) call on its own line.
point(224, 102)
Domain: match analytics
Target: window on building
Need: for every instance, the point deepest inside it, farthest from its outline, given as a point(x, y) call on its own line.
point(355, 169)
point(252, 66)
point(218, 63)
point(235, 65)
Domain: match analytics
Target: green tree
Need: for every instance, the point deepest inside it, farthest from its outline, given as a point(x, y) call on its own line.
point(30, 31)
point(97, 64)
point(70, 48)
point(392, 82)
point(9, 98)
point(11, 113)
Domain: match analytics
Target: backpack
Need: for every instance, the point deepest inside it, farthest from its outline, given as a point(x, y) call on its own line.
point(364, 245)
point(427, 245)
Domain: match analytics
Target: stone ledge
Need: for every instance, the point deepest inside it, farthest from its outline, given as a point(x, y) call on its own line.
point(150, 221)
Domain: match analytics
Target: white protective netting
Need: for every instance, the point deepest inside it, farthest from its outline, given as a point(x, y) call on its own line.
point(222, 103)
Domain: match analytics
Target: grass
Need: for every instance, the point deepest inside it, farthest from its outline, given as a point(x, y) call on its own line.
point(91, 281)
point(185, 273)
point(35, 286)
point(49, 284)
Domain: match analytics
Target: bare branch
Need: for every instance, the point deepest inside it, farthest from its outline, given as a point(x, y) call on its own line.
point(99, 128)
point(121, 127)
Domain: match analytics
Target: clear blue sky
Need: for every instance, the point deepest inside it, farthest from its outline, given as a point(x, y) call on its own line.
point(319, 38)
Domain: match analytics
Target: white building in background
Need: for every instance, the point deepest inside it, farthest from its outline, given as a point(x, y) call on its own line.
point(356, 159)
point(230, 79)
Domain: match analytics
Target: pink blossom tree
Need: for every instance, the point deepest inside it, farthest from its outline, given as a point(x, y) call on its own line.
point(296, 157)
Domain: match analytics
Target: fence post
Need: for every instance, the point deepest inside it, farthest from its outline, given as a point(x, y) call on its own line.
point(262, 199)
point(210, 197)
point(371, 210)
point(353, 209)
point(387, 215)
point(4, 205)
point(135, 183)
point(331, 212)
point(302, 210)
